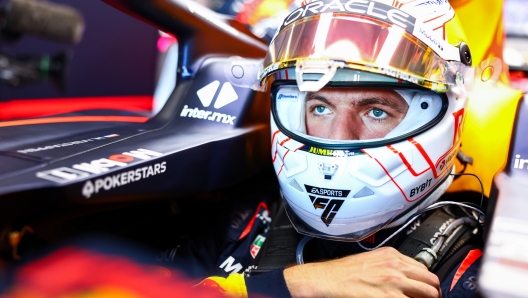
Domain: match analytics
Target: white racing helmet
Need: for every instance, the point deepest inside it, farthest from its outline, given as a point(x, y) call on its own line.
point(367, 106)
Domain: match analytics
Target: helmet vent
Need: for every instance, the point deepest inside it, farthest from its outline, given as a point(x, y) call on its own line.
point(328, 170)
point(365, 192)
point(296, 185)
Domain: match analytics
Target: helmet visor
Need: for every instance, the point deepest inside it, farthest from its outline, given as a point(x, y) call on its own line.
point(361, 43)
point(355, 115)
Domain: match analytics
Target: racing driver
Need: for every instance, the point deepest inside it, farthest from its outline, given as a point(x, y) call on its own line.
point(368, 101)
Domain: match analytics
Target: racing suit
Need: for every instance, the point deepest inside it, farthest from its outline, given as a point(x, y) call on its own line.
point(225, 262)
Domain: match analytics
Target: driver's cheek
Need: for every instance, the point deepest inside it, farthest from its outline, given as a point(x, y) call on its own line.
point(318, 126)
point(378, 129)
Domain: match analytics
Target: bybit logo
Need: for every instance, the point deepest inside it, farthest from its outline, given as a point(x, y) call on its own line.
point(206, 95)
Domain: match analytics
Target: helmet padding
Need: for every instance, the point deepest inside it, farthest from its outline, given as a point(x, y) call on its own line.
point(424, 106)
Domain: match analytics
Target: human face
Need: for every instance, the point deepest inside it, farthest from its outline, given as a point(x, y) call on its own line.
point(353, 113)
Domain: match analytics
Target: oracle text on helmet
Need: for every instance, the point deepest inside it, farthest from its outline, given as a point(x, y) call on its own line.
point(362, 7)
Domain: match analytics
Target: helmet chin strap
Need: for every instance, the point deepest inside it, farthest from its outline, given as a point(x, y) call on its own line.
point(433, 197)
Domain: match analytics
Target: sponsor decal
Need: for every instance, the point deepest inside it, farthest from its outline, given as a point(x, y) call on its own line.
point(229, 266)
point(321, 151)
point(97, 166)
point(117, 180)
point(339, 193)
point(206, 95)
point(448, 159)
point(287, 97)
point(414, 226)
point(372, 9)
point(519, 162)
point(441, 230)
point(268, 69)
point(420, 188)
point(256, 246)
point(330, 152)
point(433, 2)
point(343, 153)
point(398, 75)
point(31, 150)
point(330, 206)
point(264, 216)
point(431, 38)
point(207, 115)
point(471, 284)
point(437, 43)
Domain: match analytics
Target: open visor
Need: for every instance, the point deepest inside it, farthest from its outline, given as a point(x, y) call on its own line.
point(363, 43)
point(359, 116)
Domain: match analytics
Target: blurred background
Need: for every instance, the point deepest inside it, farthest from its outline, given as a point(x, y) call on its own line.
point(516, 47)
point(116, 56)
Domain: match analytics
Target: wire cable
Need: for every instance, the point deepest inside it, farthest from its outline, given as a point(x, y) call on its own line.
point(300, 249)
point(417, 214)
point(481, 185)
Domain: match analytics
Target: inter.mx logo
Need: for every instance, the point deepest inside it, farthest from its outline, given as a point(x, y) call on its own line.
point(206, 95)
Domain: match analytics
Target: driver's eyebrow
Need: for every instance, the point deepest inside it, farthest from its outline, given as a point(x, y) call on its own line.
point(392, 103)
point(315, 96)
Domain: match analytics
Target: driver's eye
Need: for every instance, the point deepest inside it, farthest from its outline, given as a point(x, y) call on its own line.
point(377, 113)
point(321, 110)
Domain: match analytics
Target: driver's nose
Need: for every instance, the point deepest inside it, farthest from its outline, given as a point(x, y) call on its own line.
point(345, 126)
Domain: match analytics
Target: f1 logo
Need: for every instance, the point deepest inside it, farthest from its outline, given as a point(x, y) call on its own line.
point(330, 206)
